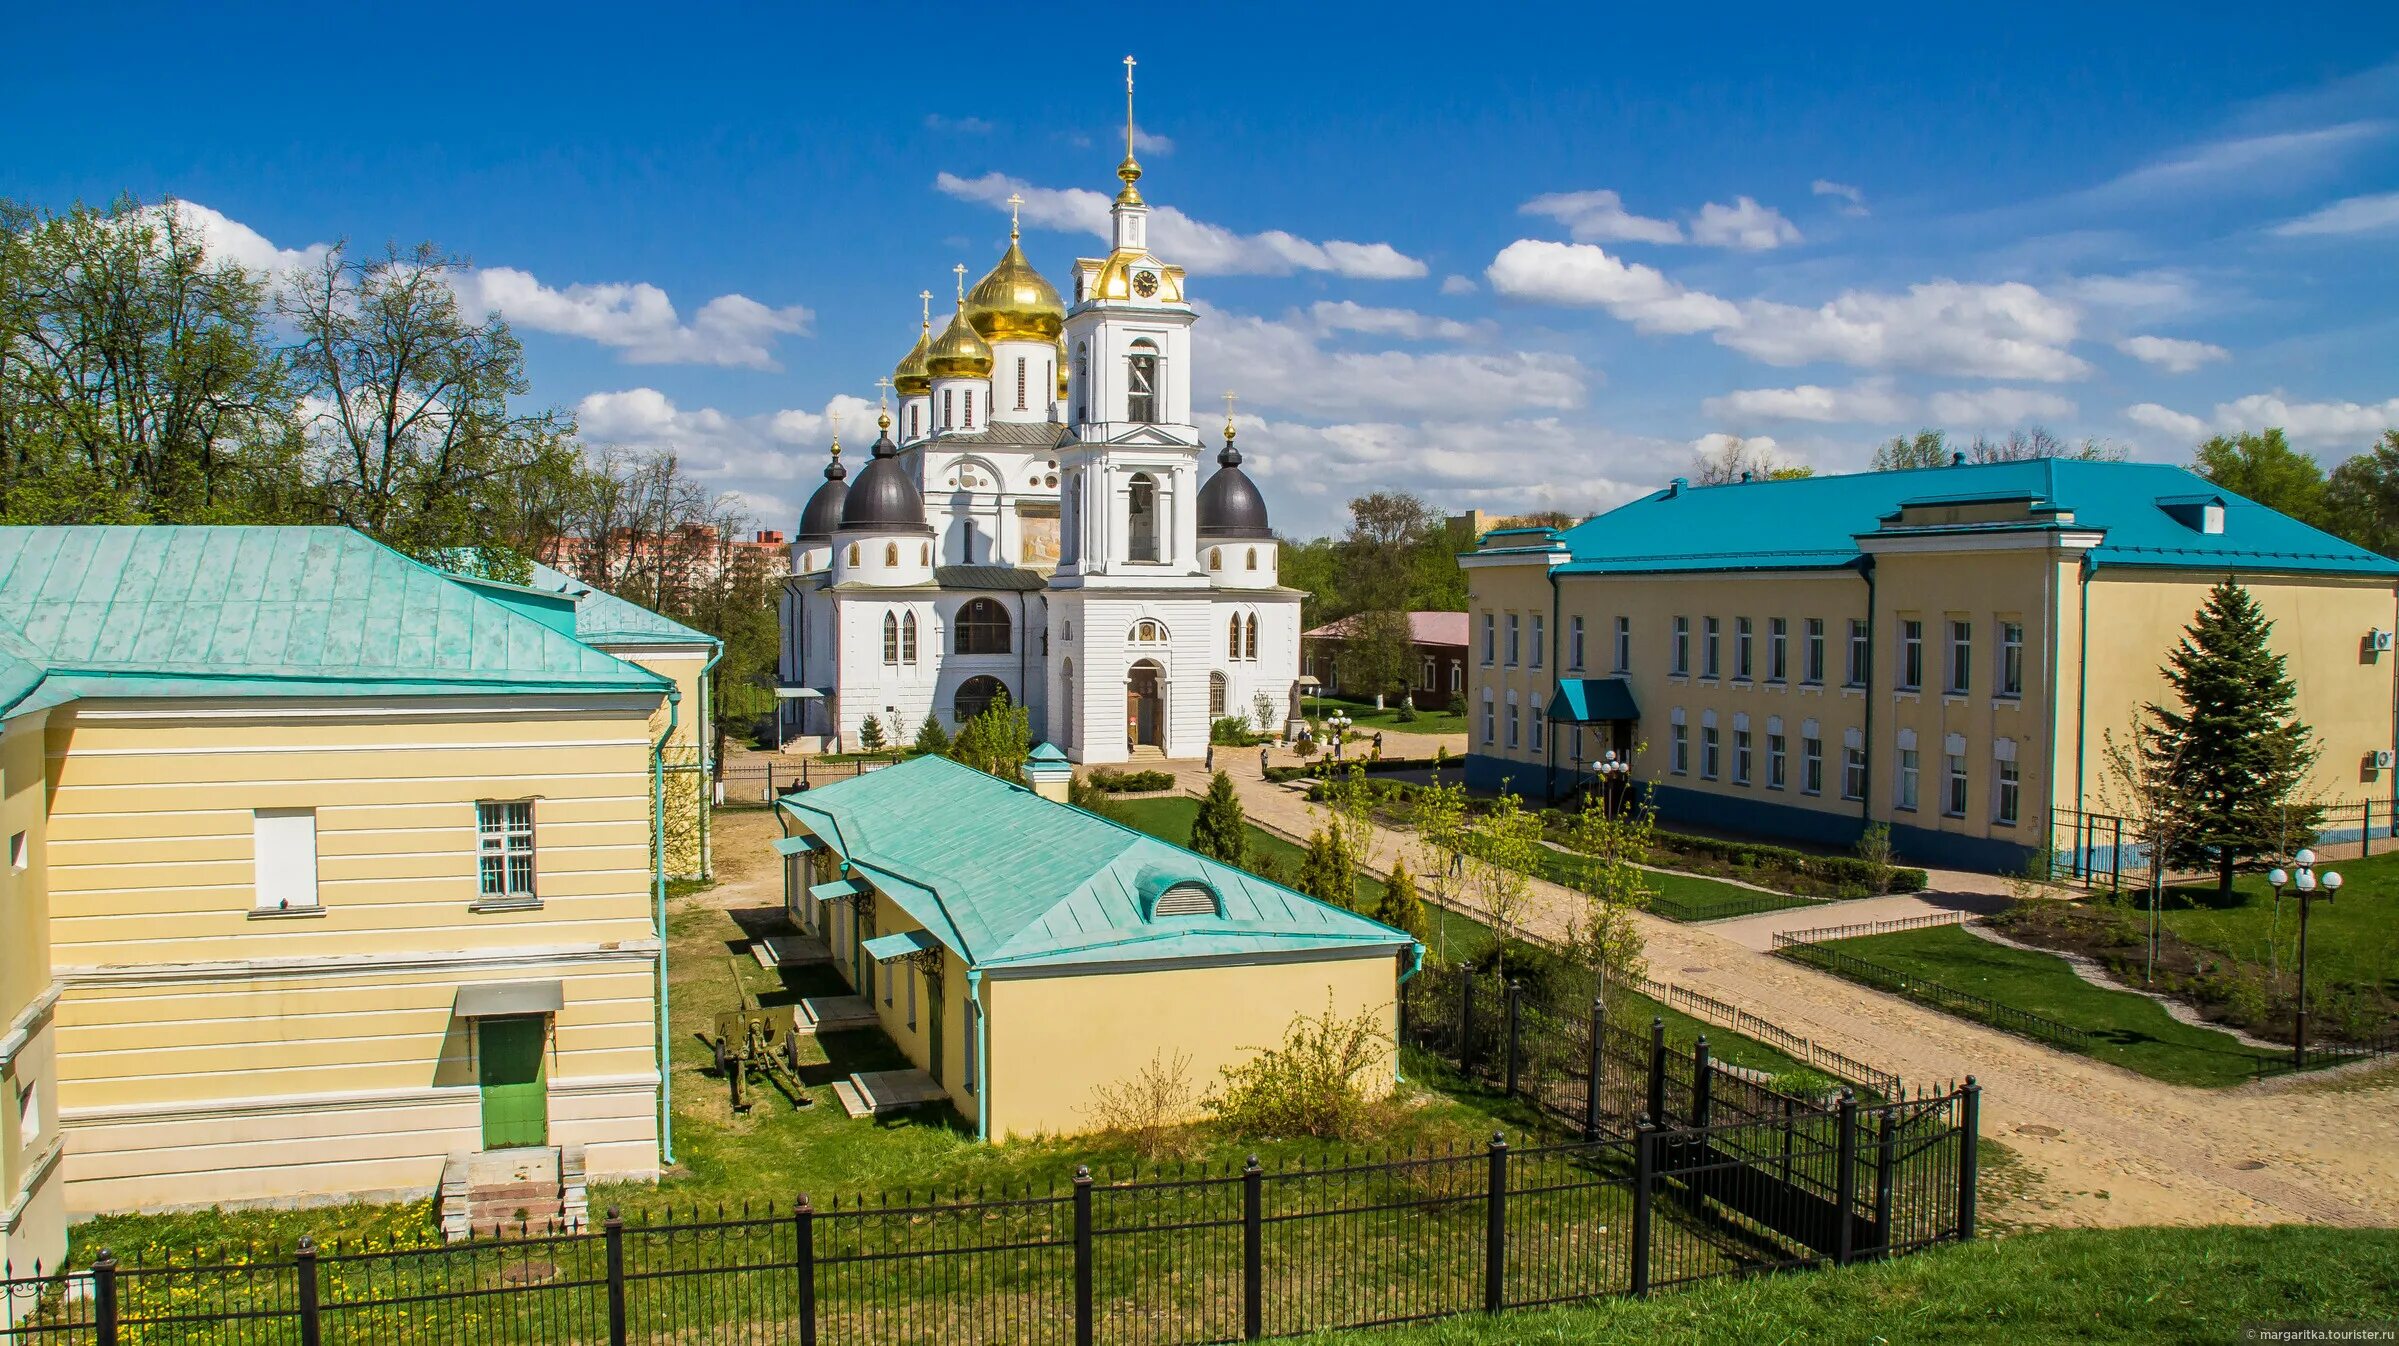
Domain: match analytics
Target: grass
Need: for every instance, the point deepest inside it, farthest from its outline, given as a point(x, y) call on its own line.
point(2126, 1029)
point(1363, 715)
point(2122, 1285)
point(2352, 939)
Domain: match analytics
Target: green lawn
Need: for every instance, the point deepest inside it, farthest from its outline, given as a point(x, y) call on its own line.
point(1680, 897)
point(1364, 716)
point(2128, 1030)
point(2353, 939)
point(2121, 1285)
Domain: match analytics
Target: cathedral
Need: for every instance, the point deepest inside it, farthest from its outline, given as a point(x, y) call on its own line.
point(1034, 526)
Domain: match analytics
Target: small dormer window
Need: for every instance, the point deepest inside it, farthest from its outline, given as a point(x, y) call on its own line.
point(1185, 899)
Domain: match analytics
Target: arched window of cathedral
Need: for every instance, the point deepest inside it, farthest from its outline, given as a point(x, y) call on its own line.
point(1216, 558)
point(1066, 684)
point(891, 637)
point(1217, 687)
point(981, 628)
point(1141, 518)
point(1082, 383)
point(1141, 382)
point(1232, 636)
point(908, 639)
point(1148, 631)
point(976, 695)
point(924, 553)
point(1253, 637)
point(853, 553)
point(1253, 558)
point(891, 555)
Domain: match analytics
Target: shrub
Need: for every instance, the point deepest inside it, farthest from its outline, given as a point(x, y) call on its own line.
point(1874, 851)
point(1314, 1084)
point(1153, 1109)
point(1130, 782)
point(1218, 830)
point(1405, 712)
point(931, 739)
point(1232, 731)
point(870, 734)
point(1400, 907)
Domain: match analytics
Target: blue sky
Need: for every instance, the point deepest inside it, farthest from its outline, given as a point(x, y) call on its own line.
point(1503, 259)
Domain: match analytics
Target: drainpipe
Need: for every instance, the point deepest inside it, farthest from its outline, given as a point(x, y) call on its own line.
point(1557, 672)
point(1024, 639)
point(706, 727)
point(974, 997)
point(2082, 682)
point(1415, 965)
point(666, 1110)
point(1866, 735)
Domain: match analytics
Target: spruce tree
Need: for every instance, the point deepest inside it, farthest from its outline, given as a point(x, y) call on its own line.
point(2239, 758)
point(870, 734)
point(1329, 871)
point(1218, 830)
point(1401, 908)
point(931, 738)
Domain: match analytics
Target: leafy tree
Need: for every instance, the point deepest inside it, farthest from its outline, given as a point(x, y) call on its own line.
point(931, 739)
point(1436, 816)
point(2263, 466)
point(996, 741)
point(2145, 789)
point(1734, 459)
point(2240, 758)
point(1378, 653)
point(1386, 530)
point(1219, 830)
point(1610, 850)
point(870, 734)
point(1925, 448)
point(2035, 441)
point(1312, 567)
point(1503, 845)
point(1400, 907)
point(2362, 497)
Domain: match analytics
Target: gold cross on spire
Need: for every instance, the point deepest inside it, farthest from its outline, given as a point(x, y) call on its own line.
point(1230, 397)
point(883, 393)
point(1016, 204)
point(960, 268)
point(927, 297)
point(836, 414)
point(1129, 63)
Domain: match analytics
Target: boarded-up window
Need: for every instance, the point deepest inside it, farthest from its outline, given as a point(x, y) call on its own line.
point(285, 846)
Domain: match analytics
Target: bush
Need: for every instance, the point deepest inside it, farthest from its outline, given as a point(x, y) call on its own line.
point(1405, 712)
point(870, 734)
point(1130, 782)
point(1153, 1109)
point(1218, 830)
point(1311, 1085)
point(1232, 731)
point(931, 739)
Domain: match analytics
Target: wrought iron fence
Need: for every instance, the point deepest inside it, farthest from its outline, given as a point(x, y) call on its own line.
point(2105, 850)
point(1925, 991)
point(1819, 934)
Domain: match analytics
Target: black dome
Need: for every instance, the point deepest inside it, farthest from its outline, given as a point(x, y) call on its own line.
point(883, 500)
point(1229, 503)
point(823, 514)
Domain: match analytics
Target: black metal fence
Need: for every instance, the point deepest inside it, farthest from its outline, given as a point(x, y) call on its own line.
point(1804, 947)
point(2105, 850)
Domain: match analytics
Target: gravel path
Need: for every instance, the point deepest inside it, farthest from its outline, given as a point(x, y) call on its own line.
point(2106, 1146)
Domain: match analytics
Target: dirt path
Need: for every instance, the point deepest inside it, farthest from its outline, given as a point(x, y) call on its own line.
point(2105, 1146)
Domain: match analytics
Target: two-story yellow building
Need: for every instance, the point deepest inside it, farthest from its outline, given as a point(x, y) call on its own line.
point(324, 866)
point(1943, 650)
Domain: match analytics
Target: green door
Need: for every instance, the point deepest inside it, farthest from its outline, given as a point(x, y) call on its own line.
point(512, 1068)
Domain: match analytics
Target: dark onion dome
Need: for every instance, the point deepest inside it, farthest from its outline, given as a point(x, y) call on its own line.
point(1229, 503)
point(823, 515)
point(883, 500)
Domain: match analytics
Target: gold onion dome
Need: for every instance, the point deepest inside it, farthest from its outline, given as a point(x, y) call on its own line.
point(958, 353)
point(1014, 303)
point(912, 378)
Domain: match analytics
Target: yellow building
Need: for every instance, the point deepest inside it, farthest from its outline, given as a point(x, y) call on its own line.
point(1942, 650)
point(1025, 954)
point(325, 866)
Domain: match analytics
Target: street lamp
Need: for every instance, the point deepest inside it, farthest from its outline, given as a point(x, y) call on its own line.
point(2308, 885)
point(1337, 724)
point(1613, 772)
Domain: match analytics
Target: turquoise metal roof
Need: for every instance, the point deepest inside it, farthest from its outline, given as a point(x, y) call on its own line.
point(602, 618)
point(1008, 879)
point(1593, 701)
point(167, 611)
point(1814, 523)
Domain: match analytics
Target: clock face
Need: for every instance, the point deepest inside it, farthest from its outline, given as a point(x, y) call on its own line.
point(1145, 283)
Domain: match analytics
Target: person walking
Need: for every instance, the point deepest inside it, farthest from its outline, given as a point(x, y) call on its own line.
point(1261, 761)
point(1378, 745)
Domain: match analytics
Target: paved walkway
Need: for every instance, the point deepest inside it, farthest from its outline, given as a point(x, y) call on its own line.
point(2108, 1147)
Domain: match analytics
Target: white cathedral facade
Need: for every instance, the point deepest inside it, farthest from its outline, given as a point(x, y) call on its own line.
point(1035, 526)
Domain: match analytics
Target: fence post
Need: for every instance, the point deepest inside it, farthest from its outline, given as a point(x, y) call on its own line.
point(1703, 1089)
point(1645, 1180)
point(803, 1219)
point(1515, 1058)
point(2115, 861)
point(1495, 1227)
point(614, 1228)
point(1886, 1151)
point(104, 1298)
point(1599, 1068)
point(1969, 1128)
point(1466, 1022)
point(304, 1262)
point(1845, 1180)
point(2365, 834)
point(1082, 1255)
point(1253, 1251)
point(1657, 1071)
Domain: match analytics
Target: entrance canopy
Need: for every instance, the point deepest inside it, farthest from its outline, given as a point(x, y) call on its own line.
point(491, 999)
point(1593, 701)
point(886, 948)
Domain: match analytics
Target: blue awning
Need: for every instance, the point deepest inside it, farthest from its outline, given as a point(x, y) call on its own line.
point(839, 890)
point(799, 845)
point(885, 948)
point(1593, 701)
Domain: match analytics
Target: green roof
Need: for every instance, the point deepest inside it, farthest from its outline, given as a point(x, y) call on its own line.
point(1008, 879)
point(262, 611)
point(602, 618)
point(2141, 511)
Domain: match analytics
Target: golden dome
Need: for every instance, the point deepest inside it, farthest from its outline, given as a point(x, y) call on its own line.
point(1014, 303)
point(1061, 368)
point(958, 353)
point(912, 379)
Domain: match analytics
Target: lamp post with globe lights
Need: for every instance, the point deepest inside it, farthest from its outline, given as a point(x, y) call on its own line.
point(1337, 724)
point(2308, 884)
point(1613, 772)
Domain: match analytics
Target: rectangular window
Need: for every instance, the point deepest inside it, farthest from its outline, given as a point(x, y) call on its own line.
point(1540, 727)
point(1457, 676)
point(1741, 647)
point(2011, 659)
point(1778, 644)
point(1908, 772)
point(1853, 773)
point(1857, 653)
point(284, 845)
point(1774, 761)
point(1811, 766)
point(1624, 644)
point(1540, 639)
point(1815, 656)
point(1955, 805)
point(1709, 644)
point(1682, 750)
point(2009, 784)
point(504, 850)
point(1682, 645)
point(1514, 732)
point(1911, 655)
point(1020, 406)
point(1490, 724)
point(29, 1111)
point(17, 856)
point(1574, 644)
point(1707, 752)
point(1424, 676)
point(1961, 656)
point(1490, 640)
point(1740, 757)
point(1515, 640)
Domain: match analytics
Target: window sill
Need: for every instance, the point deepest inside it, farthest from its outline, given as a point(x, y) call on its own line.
point(285, 913)
point(2007, 703)
point(1953, 698)
point(1913, 694)
point(505, 904)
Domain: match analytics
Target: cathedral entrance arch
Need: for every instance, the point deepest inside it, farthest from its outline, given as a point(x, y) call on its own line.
point(977, 695)
point(1145, 705)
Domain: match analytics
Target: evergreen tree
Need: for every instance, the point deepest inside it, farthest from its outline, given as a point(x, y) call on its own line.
point(1219, 830)
point(931, 738)
point(2239, 758)
point(870, 734)
point(1329, 871)
point(1401, 908)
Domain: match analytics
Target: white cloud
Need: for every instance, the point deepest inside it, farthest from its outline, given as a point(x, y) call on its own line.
point(1600, 217)
point(2245, 162)
point(1744, 224)
point(2148, 293)
point(233, 241)
point(1853, 201)
point(1145, 142)
point(770, 461)
point(1872, 403)
point(2172, 354)
point(2356, 215)
point(1282, 364)
point(2009, 330)
point(2316, 424)
point(1349, 316)
point(1189, 242)
point(1458, 285)
point(973, 126)
point(636, 318)
point(1510, 465)
point(1976, 408)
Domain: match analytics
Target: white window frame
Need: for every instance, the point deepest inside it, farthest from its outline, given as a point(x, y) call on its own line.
point(1709, 755)
point(1813, 674)
point(1811, 766)
point(1853, 773)
point(2011, 661)
point(1777, 749)
point(1515, 730)
point(1909, 676)
point(499, 834)
point(2007, 793)
point(1778, 649)
point(1744, 648)
point(1515, 649)
point(1954, 795)
point(1540, 639)
point(1490, 640)
point(1711, 646)
point(284, 860)
point(1741, 759)
point(1861, 654)
point(1961, 657)
point(1910, 780)
point(1574, 644)
point(1624, 644)
point(1682, 647)
point(1680, 762)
